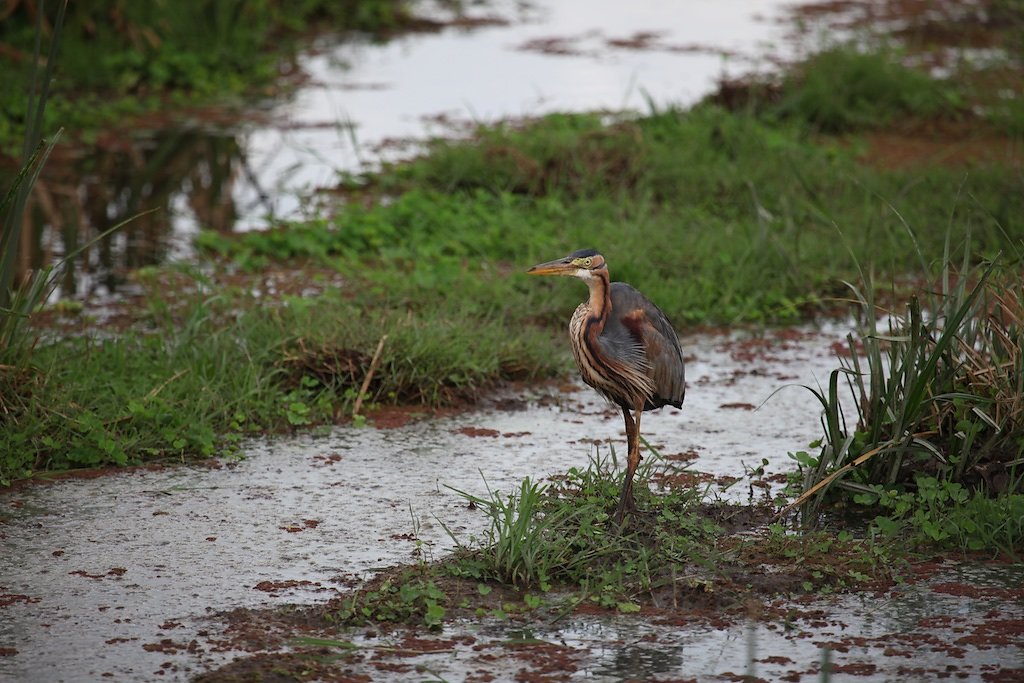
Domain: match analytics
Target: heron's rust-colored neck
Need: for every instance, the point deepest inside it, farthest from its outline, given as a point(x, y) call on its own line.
point(600, 298)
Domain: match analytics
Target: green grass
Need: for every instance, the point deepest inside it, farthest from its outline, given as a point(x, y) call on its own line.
point(924, 420)
point(763, 234)
point(753, 221)
point(563, 537)
point(214, 368)
point(406, 599)
point(939, 391)
point(842, 89)
point(16, 304)
point(551, 548)
point(544, 536)
point(943, 513)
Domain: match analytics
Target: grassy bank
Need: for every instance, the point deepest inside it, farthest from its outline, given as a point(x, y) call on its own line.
point(201, 370)
point(752, 220)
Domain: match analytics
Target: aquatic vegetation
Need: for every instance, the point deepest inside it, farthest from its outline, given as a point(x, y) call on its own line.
point(403, 599)
point(938, 402)
point(207, 369)
point(843, 89)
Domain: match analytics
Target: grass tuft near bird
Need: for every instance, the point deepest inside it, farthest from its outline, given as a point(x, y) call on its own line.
point(625, 348)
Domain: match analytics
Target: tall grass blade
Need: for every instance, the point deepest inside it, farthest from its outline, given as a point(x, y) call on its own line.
point(34, 155)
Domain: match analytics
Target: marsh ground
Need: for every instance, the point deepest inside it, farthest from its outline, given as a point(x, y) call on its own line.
point(760, 206)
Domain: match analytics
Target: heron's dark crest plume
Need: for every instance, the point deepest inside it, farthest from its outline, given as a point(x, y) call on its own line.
point(625, 348)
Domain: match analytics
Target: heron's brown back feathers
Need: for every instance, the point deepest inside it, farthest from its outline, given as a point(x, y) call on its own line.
point(627, 349)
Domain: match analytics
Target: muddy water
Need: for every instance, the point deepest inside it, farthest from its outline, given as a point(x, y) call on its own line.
point(114, 577)
point(916, 633)
point(364, 101)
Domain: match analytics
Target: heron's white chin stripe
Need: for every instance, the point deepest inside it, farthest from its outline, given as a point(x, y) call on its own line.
point(584, 274)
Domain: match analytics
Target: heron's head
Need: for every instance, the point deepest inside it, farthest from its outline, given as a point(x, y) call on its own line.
point(584, 264)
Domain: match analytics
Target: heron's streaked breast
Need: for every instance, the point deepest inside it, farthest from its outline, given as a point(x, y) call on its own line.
point(618, 381)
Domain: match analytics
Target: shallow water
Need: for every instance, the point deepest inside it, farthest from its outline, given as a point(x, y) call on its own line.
point(95, 571)
point(197, 539)
point(570, 55)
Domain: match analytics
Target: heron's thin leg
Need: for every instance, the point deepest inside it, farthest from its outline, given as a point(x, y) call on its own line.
point(634, 460)
point(636, 439)
point(626, 501)
point(631, 433)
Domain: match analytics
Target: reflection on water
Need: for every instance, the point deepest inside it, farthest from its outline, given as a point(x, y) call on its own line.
point(640, 660)
point(150, 182)
point(911, 633)
point(361, 97)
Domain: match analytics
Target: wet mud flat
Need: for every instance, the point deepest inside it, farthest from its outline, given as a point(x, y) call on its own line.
point(949, 621)
point(180, 571)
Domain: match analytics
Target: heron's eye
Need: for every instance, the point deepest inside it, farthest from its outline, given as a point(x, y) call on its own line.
point(586, 262)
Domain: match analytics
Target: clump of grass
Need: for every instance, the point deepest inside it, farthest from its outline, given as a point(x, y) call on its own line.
point(938, 398)
point(543, 536)
point(939, 395)
point(843, 89)
point(18, 300)
point(571, 154)
point(944, 513)
point(408, 598)
point(524, 545)
point(677, 548)
point(669, 154)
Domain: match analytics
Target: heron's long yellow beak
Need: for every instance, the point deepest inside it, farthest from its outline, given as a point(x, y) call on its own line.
point(557, 267)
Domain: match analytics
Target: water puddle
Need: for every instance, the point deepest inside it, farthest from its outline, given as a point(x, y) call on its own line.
point(367, 101)
point(118, 576)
